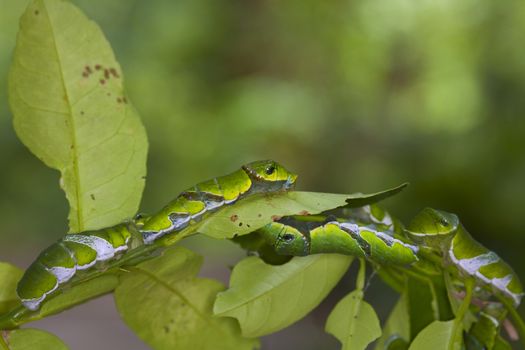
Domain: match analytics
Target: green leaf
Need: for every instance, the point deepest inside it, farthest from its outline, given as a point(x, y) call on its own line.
point(502, 344)
point(33, 339)
point(9, 277)
point(251, 213)
point(435, 336)
point(422, 307)
point(266, 298)
point(70, 109)
point(397, 325)
point(78, 294)
point(163, 302)
point(485, 330)
point(354, 322)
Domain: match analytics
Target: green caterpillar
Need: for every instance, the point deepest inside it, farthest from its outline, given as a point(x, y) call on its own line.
point(60, 262)
point(443, 231)
point(209, 196)
point(374, 240)
point(368, 232)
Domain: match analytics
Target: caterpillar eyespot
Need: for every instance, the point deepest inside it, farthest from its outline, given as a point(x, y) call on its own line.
point(270, 170)
point(287, 237)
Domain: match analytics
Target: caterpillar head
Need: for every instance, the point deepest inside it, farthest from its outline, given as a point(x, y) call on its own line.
point(269, 171)
point(286, 240)
point(433, 227)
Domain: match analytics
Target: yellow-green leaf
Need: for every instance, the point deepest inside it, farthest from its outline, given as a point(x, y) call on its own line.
point(32, 339)
point(163, 302)
point(354, 322)
point(266, 298)
point(435, 336)
point(254, 212)
point(397, 326)
point(9, 277)
point(70, 109)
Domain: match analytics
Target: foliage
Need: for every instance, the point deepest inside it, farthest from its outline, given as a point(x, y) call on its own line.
point(267, 298)
point(71, 110)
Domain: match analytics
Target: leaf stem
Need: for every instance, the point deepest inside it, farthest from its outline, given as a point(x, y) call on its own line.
point(457, 329)
point(361, 275)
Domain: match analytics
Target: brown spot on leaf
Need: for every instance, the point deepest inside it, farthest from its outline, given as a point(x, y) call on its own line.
point(88, 69)
point(234, 217)
point(259, 215)
point(125, 100)
point(37, 12)
point(85, 74)
point(113, 72)
point(109, 94)
point(240, 224)
point(303, 212)
point(98, 67)
point(102, 81)
point(81, 112)
point(119, 100)
point(106, 74)
point(92, 196)
point(276, 217)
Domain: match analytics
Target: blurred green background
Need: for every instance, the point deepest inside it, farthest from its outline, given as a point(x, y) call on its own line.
point(352, 95)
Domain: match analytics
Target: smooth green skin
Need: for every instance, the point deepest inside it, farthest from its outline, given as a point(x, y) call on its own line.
point(443, 231)
point(117, 236)
point(330, 238)
point(256, 177)
point(433, 228)
point(38, 280)
point(333, 238)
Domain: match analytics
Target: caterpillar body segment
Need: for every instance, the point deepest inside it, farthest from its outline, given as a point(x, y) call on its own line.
point(292, 237)
point(443, 231)
point(209, 196)
point(60, 262)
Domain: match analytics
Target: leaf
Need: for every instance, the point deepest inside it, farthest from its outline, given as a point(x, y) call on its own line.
point(422, 307)
point(9, 277)
point(354, 322)
point(70, 109)
point(78, 294)
point(266, 298)
point(254, 212)
point(435, 336)
point(485, 330)
point(169, 308)
point(397, 325)
point(33, 339)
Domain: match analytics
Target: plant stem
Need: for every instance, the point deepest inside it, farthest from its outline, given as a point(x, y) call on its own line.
point(457, 330)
